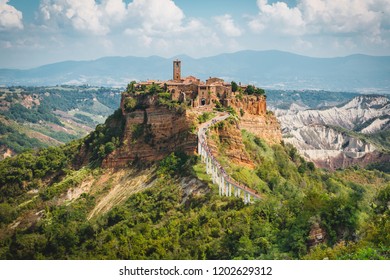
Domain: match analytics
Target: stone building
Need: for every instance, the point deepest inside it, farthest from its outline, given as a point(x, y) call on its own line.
point(204, 94)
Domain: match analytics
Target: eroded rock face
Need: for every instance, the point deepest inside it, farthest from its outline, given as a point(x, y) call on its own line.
point(152, 133)
point(318, 137)
point(266, 127)
point(358, 112)
point(252, 104)
point(230, 139)
point(343, 160)
point(255, 118)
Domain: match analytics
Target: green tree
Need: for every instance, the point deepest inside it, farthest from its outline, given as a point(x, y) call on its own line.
point(250, 90)
point(234, 86)
point(260, 91)
point(7, 213)
point(131, 87)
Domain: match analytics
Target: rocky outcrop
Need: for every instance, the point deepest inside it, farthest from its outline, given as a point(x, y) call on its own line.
point(251, 104)
point(29, 101)
point(266, 127)
point(5, 152)
point(230, 141)
point(317, 235)
point(152, 132)
point(255, 118)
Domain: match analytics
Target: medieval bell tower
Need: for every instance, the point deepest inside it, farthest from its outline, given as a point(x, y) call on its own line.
point(177, 71)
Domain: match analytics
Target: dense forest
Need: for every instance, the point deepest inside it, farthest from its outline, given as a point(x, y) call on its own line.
point(348, 208)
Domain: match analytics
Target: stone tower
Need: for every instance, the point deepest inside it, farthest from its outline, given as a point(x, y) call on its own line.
point(177, 70)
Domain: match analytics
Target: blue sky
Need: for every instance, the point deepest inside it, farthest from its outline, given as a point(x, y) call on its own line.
point(37, 32)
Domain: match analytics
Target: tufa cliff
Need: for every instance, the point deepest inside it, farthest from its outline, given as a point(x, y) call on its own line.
point(228, 137)
point(255, 118)
point(152, 131)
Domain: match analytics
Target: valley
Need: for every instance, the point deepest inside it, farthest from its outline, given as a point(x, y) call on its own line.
point(136, 187)
point(34, 117)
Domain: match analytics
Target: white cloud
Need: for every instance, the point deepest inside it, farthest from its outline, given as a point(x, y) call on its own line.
point(10, 18)
point(114, 9)
point(82, 15)
point(342, 17)
point(279, 18)
point(162, 27)
point(85, 16)
point(150, 17)
point(227, 25)
point(339, 17)
point(156, 16)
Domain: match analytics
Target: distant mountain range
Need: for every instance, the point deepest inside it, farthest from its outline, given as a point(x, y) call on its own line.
point(268, 69)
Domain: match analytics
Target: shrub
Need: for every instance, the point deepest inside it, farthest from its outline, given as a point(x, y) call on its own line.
point(129, 104)
point(205, 117)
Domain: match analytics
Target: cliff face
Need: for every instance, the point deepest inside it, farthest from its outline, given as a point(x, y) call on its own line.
point(230, 140)
point(266, 127)
point(152, 132)
point(255, 118)
point(252, 104)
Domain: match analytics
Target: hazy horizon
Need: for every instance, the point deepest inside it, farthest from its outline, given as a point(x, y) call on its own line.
point(185, 55)
point(39, 32)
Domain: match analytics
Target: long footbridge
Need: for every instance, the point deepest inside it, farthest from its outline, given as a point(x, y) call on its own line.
point(227, 185)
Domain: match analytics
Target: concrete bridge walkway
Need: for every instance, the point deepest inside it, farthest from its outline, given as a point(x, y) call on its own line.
point(227, 185)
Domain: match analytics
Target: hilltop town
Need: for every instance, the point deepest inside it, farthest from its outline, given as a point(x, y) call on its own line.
point(162, 116)
point(206, 94)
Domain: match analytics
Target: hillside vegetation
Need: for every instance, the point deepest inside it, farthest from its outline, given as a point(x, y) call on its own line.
point(34, 117)
point(49, 200)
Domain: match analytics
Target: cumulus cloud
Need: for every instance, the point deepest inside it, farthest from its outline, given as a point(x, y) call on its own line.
point(227, 25)
point(156, 15)
point(343, 17)
point(161, 26)
point(114, 9)
point(86, 15)
point(150, 17)
point(279, 17)
point(159, 19)
point(10, 18)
